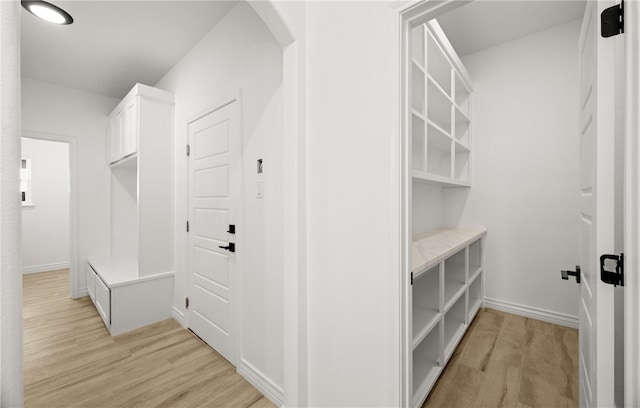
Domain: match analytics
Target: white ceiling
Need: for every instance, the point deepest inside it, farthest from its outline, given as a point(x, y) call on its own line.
point(485, 23)
point(113, 44)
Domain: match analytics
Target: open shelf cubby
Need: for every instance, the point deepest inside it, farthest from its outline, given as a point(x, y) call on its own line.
point(439, 148)
point(455, 321)
point(475, 296)
point(418, 142)
point(426, 365)
point(475, 259)
point(425, 303)
point(438, 65)
point(454, 278)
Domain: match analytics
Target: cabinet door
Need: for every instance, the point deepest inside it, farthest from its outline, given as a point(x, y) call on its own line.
point(130, 132)
point(91, 283)
point(115, 137)
point(103, 300)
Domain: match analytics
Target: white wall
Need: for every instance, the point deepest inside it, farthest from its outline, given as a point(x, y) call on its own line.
point(45, 225)
point(55, 110)
point(526, 176)
point(353, 351)
point(240, 54)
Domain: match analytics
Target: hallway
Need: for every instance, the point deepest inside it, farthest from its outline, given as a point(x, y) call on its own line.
point(71, 361)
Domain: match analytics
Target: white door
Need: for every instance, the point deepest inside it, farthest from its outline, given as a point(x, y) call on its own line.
point(214, 181)
point(597, 137)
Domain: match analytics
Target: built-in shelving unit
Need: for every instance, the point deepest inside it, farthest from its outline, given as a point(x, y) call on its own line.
point(446, 293)
point(133, 286)
point(440, 110)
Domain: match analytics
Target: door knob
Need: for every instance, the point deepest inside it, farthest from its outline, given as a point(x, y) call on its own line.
point(231, 247)
point(565, 274)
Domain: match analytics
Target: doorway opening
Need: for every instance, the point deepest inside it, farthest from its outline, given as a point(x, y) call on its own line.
point(48, 195)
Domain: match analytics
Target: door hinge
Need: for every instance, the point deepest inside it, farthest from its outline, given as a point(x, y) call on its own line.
point(187, 226)
point(186, 303)
point(612, 20)
point(188, 150)
point(612, 269)
point(412, 278)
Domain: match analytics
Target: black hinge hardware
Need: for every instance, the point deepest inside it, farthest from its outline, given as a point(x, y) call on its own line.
point(231, 247)
point(412, 278)
point(565, 274)
point(612, 20)
point(612, 269)
point(186, 303)
point(232, 229)
point(187, 226)
point(188, 150)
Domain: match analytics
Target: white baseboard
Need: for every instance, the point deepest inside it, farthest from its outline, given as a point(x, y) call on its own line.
point(82, 292)
point(532, 312)
point(178, 316)
point(44, 268)
point(268, 388)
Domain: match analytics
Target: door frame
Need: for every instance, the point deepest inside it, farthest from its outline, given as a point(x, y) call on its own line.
point(239, 204)
point(632, 207)
point(401, 12)
point(74, 284)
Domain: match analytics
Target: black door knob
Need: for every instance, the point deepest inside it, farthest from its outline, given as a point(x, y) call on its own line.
point(231, 247)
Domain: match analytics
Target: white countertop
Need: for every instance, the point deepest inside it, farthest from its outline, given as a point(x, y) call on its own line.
point(120, 271)
point(430, 248)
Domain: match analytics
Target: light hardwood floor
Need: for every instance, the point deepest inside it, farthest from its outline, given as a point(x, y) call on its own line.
point(510, 361)
point(72, 361)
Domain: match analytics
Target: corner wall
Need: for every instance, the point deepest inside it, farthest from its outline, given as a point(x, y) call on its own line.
point(240, 55)
point(526, 179)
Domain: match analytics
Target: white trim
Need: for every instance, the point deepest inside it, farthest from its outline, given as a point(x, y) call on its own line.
point(264, 384)
point(632, 209)
point(74, 272)
point(82, 292)
point(178, 316)
point(549, 316)
point(44, 268)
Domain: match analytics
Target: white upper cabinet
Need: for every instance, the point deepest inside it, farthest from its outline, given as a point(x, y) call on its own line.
point(129, 117)
point(440, 122)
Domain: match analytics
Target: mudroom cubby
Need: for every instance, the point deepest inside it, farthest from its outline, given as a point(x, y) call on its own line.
point(446, 262)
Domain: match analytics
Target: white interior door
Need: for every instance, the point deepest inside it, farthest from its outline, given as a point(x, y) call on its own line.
point(214, 164)
point(597, 138)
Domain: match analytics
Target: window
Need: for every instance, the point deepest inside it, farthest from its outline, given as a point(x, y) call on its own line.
point(25, 182)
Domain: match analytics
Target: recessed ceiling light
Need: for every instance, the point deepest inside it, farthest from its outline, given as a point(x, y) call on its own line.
point(47, 12)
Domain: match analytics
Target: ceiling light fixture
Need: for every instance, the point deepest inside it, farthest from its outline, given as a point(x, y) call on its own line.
point(47, 12)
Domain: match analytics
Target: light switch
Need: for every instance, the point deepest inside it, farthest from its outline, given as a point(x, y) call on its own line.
point(259, 189)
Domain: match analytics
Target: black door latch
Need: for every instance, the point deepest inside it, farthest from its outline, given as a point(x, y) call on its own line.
point(231, 247)
point(612, 269)
point(565, 274)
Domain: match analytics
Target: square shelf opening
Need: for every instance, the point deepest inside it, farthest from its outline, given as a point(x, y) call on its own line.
point(418, 144)
point(417, 44)
point(475, 296)
point(461, 94)
point(417, 89)
point(454, 277)
point(439, 148)
point(454, 325)
point(425, 294)
point(438, 65)
point(462, 128)
point(438, 106)
point(461, 168)
point(475, 257)
point(426, 363)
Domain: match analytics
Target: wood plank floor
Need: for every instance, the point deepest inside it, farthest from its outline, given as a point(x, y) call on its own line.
point(510, 361)
point(72, 361)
